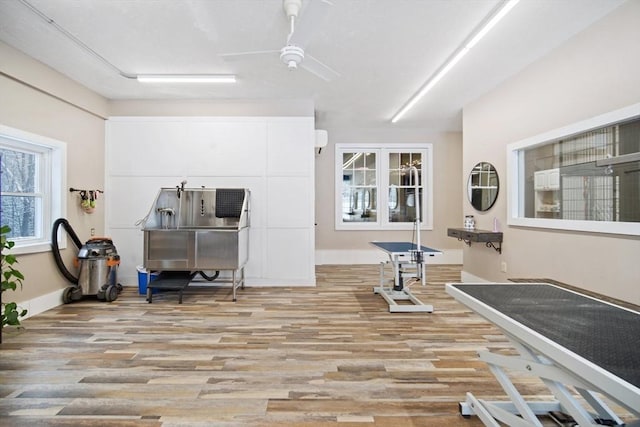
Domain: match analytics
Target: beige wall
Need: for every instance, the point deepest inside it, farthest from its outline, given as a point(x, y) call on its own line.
point(38, 100)
point(593, 73)
point(447, 156)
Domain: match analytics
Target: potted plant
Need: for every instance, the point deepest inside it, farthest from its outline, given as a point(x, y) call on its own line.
point(11, 278)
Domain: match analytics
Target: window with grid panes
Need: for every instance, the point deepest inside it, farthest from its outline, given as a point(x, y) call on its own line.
point(380, 188)
point(31, 187)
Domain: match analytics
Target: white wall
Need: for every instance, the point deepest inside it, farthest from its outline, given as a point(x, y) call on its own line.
point(272, 156)
point(595, 72)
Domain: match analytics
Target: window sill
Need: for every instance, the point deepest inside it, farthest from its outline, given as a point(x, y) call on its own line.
point(365, 226)
point(32, 248)
point(605, 227)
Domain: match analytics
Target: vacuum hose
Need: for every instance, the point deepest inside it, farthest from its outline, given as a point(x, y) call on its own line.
point(56, 250)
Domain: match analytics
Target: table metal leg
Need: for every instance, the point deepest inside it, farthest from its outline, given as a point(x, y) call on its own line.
point(519, 412)
point(391, 294)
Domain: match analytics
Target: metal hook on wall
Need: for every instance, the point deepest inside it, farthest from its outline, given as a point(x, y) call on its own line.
point(87, 198)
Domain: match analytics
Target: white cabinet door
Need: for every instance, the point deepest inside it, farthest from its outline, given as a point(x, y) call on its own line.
point(540, 180)
point(548, 179)
point(553, 179)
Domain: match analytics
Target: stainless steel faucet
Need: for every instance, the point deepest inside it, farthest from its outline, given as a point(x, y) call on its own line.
point(180, 189)
point(165, 216)
point(167, 211)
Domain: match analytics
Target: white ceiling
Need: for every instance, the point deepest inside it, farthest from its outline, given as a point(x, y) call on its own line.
point(383, 49)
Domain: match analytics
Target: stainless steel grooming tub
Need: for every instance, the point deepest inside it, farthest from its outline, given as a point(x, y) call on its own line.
point(197, 229)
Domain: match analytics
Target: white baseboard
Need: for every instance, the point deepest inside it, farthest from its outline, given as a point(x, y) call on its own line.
point(467, 277)
point(42, 303)
point(263, 283)
point(345, 257)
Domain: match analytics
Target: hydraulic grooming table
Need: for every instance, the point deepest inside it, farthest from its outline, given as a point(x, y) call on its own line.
point(566, 339)
point(402, 253)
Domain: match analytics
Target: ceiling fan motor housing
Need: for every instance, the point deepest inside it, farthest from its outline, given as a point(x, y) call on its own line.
point(292, 56)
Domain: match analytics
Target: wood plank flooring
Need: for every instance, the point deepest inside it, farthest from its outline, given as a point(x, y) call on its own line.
point(330, 355)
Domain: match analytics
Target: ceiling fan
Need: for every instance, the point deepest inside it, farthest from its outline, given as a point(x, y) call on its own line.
point(301, 30)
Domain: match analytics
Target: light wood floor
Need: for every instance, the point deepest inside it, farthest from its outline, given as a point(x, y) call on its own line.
point(326, 356)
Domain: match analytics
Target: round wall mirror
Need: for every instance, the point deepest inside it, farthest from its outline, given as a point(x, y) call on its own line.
point(483, 186)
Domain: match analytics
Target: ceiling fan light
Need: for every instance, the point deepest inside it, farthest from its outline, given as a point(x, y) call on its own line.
point(186, 78)
point(292, 56)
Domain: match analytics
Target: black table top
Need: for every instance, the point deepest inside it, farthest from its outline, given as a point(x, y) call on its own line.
point(402, 247)
point(602, 333)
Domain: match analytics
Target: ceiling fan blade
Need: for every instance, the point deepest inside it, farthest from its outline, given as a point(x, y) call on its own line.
point(321, 70)
point(312, 18)
point(234, 55)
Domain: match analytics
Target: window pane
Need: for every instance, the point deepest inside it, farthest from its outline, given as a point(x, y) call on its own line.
point(19, 213)
point(19, 176)
point(370, 169)
point(359, 194)
point(394, 161)
point(405, 209)
point(573, 179)
point(359, 204)
point(402, 192)
point(18, 171)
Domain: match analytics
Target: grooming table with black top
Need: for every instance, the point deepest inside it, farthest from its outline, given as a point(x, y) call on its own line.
point(566, 339)
point(402, 258)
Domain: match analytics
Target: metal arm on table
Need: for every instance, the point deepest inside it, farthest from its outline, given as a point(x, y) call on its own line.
point(417, 255)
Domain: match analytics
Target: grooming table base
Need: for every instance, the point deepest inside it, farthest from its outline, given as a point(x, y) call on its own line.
point(403, 266)
point(566, 339)
point(391, 296)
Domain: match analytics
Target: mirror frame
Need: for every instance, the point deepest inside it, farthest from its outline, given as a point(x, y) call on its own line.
point(483, 192)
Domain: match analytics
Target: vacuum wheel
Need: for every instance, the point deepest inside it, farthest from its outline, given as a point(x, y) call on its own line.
point(70, 294)
point(111, 294)
point(66, 295)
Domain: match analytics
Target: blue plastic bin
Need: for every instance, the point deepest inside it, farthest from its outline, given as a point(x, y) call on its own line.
point(142, 280)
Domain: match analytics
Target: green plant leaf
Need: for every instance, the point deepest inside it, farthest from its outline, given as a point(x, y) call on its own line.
point(11, 318)
point(6, 285)
point(11, 279)
point(18, 275)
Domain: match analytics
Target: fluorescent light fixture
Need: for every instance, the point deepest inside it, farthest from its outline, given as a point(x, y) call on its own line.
point(152, 78)
point(186, 78)
point(462, 51)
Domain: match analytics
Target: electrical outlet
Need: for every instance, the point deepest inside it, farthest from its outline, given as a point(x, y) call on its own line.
point(503, 266)
point(93, 232)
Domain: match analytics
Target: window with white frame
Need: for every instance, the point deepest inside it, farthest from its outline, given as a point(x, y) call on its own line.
point(383, 188)
point(31, 187)
point(583, 177)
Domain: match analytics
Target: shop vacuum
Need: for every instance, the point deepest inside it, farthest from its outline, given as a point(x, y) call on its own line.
point(97, 262)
